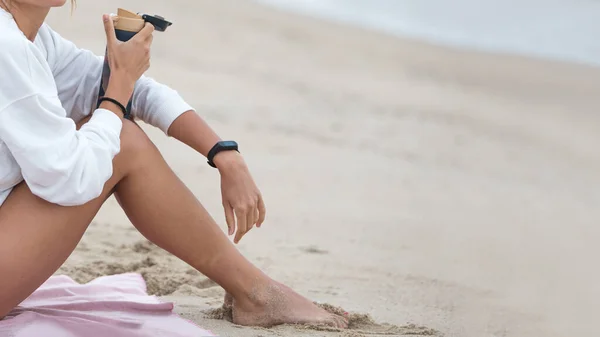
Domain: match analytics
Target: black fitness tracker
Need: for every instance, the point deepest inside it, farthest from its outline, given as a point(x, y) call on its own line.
point(227, 145)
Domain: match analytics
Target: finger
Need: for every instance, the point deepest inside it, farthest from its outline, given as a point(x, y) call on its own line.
point(229, 218)
point(250, 218)
point(143, 34)
point(241, 225)
point(262, 212)
point(109, 29)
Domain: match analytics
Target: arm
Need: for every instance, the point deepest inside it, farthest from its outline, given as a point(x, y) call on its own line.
point(242, 200)
point(160, 106)
point(59, 163)
point(157, 104)
point(78, 71)
point(192, 130)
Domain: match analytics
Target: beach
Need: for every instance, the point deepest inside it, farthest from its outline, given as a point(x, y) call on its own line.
point(440, 190)
point(562, 30)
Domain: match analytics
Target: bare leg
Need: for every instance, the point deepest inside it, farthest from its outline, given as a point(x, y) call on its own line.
point(162, 208)
point(39, 236)
point(36, 237)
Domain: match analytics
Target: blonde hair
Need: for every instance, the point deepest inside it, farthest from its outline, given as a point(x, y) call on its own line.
point(73, 3)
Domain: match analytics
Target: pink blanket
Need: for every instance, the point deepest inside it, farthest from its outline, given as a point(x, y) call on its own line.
point(113, 306)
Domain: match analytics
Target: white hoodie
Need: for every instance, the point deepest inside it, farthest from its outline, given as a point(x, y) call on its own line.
point(45, 87)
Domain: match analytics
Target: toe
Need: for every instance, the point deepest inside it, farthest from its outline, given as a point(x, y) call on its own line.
point(343, 323)
point(340, 322)
point(328, 320)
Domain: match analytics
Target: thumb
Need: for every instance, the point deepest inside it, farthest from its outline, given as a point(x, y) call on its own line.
point(109, 28)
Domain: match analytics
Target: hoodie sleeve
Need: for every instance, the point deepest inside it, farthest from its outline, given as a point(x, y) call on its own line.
point(59, 163)
point(78, 71)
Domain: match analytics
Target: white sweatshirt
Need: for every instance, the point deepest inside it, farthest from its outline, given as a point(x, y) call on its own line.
point(45, 88)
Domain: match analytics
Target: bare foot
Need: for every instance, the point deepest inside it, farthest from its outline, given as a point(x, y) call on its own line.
point(278, 304)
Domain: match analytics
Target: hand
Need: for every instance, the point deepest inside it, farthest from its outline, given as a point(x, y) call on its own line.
point(241, 198)
point(129, 60)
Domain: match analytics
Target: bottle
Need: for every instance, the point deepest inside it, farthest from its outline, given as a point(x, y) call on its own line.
point(128, 24)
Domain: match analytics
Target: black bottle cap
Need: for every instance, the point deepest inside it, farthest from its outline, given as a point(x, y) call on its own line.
point(159, 23)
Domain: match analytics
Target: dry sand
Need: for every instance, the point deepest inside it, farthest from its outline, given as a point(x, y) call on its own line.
point(420, 185)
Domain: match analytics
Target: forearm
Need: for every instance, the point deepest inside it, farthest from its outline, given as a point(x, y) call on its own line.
point(192, 130)
point(119, 90)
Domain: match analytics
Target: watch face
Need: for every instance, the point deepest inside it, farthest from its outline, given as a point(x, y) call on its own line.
point(229, 144)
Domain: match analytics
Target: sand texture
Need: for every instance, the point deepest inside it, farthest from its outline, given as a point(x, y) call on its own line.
point(425, 190)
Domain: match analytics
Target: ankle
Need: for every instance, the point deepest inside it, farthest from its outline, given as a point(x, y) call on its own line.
point(243, 285)
point(263, 293)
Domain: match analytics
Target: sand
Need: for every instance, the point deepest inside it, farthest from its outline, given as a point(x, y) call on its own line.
point(433, 189)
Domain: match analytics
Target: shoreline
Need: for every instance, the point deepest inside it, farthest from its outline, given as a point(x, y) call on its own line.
point(384, 25)
point(499, 65)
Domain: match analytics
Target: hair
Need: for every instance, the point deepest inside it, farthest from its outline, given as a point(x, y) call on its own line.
point(8, 3)
point(73, 3)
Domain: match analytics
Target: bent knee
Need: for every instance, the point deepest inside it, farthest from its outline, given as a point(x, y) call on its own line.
point(135, 144)
point(136, 149)
point(134, 140)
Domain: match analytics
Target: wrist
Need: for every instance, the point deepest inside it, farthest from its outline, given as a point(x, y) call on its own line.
point(228, 161)
point(119, 88)
point(114, 106)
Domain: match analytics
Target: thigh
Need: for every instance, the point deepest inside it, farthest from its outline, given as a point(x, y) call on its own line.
point(36, 237)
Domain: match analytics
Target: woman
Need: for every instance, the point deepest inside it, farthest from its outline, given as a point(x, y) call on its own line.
point(61, 158)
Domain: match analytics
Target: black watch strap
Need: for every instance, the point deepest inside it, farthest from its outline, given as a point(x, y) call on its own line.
point(226, 145)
